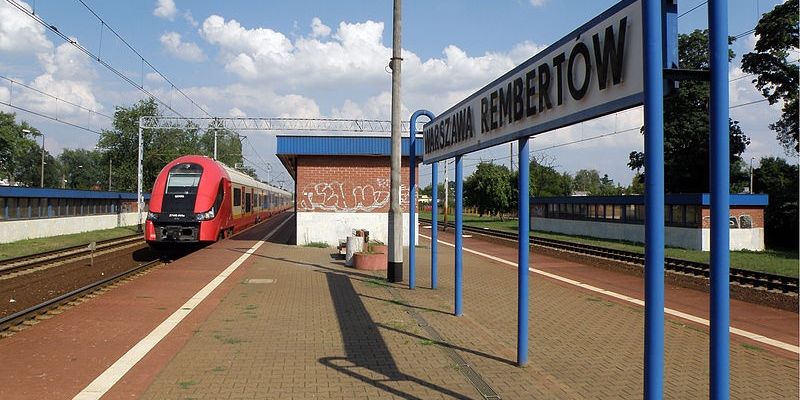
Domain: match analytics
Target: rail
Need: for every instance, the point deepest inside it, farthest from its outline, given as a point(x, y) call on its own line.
point(756, 279)
point(68, 253)
point(41, 308)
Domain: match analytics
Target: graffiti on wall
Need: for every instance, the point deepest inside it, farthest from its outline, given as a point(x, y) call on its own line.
point(348, 197)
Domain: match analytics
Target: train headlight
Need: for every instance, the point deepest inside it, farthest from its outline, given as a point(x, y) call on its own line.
point(205, 216)
point(152, 216)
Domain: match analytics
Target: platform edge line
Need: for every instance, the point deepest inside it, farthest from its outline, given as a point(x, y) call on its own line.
point(736, 331)
point(105, 381)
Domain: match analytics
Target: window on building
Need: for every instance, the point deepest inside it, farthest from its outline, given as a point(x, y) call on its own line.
point(733, 222)
point(692, 216)
point(617, 211)
point(678, 215)
point(745, 222)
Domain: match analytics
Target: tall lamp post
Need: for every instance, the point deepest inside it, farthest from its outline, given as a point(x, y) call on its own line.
point(751, 174)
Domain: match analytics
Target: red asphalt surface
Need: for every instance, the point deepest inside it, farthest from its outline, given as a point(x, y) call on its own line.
point(60, 356)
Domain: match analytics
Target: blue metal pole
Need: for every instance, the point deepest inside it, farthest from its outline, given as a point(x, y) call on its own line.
point(523, 247)
point(459, 237)
point(412, 197)
point(720, 200)
point(434, 225)
point(654, 201)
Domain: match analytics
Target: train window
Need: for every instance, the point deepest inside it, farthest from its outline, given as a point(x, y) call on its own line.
point(237, 197)
point(617, 211)
point(592, 211)
point(247, 203)
point(184, 178)
point(3, 209)
point(220, 196)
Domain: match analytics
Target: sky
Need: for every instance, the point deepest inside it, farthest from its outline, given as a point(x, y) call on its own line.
point(321, 59)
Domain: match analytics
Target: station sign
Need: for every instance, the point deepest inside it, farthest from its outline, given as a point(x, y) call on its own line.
point(593, 71)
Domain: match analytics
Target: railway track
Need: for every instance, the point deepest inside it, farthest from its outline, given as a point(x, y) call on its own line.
point(34, 261)
point(760, 280)
point(11, 321)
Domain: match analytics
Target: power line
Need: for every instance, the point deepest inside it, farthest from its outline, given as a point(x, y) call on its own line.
point(56, 98)
point(144, 60)
point(84, 50)
point(693, 8)
point(49, 117)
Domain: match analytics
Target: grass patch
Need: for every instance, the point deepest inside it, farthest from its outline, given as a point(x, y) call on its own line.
point(321, 245)
point(375, 282)
point(233, 341)
point(250, 307)
point(426, 342)
point(395, 324)
point(34, 246)
point(218, 369)
point(753, 347)
point(779, 262)
point(187, 384)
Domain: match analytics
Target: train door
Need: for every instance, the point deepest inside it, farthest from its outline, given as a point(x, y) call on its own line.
point(248, 202)
point(237, 201)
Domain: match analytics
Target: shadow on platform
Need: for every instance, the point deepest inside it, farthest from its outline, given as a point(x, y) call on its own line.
point(364, 345)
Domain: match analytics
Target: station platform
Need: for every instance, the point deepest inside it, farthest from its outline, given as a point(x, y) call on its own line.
point(294, 323)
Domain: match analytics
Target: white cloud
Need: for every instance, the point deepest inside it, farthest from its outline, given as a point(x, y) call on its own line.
point(187, 15)
point(237, 113)
point(165, 9)
point(318, 29)
point(538, 3)
point(253, 99)
point(154, 77)
point(186, 51)
point(5, 94)
point(353, 57)
point(19, 33)
point(67, 63)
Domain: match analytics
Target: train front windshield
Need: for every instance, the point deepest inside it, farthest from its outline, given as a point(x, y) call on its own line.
point(184, 178)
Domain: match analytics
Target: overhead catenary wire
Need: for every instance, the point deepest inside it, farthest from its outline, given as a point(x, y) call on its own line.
point(86, 51)
point(50, 117)
point(56, 98)
point(103, 23)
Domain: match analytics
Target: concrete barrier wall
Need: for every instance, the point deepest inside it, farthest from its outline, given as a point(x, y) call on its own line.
point(687, 238)
point(741, 239)
point(14, 230)
point(331, 227)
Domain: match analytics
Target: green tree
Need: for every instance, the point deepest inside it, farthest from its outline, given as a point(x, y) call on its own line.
point(586, 180)
point(160, 146)
point(778, 179)
point(686, 125)
point(777, 74)
point(84, 169)
point(17, 147)
point(637, 185)
point(545, 181)
point(488, 189)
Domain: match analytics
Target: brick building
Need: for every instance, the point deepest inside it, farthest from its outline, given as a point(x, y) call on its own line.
point(342, 183)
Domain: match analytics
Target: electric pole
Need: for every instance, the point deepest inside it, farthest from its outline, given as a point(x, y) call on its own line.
point(395, 259)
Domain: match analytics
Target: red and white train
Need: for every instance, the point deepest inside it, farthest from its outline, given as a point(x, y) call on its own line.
point(196, 199)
